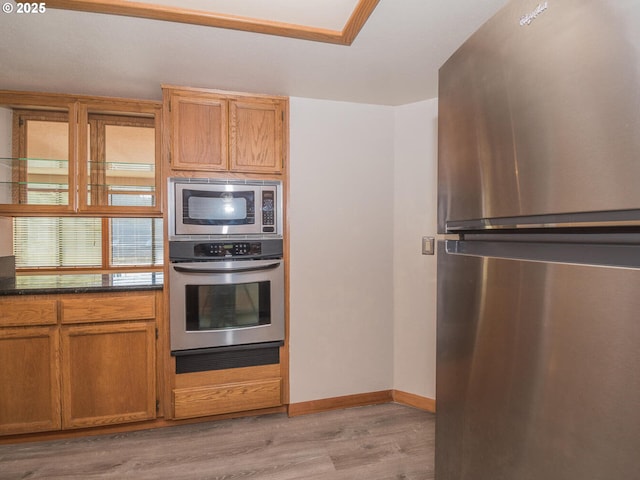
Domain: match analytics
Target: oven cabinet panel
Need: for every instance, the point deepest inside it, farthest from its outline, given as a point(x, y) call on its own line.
point(232, 397)
point(108, 373)
point(29, 380)
point(202, 394)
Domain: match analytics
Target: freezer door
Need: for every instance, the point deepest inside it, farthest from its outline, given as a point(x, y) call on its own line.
point(541, 117)
point(537, 369)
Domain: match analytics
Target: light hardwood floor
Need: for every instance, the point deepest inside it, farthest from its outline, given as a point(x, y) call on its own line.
point(380, 442)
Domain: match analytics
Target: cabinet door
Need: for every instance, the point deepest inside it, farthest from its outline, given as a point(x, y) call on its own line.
point(29, 380)
point(256, 135)
point(62, 154)
point(198, 132)
point(108, 373)
point(36, 168)
point(120, 164)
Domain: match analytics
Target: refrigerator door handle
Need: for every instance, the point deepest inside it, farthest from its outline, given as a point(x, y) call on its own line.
point(612, 255)
point(618, 218)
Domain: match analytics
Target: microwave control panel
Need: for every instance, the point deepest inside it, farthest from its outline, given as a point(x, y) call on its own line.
point(268, 211)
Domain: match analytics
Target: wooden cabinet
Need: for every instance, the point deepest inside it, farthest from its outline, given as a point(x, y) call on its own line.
point(61, 154)
point(256, 136)
point(21, 311)
point(121, 158)
point(218, 392)
point(198, 132)
point(108, 308)
point(29, 380)
point(73, 361)
point(108, 373)
point(217, 131)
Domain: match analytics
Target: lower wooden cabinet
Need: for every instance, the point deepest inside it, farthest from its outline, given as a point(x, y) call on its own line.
point(218, 392)
point(108, 374)
point(73, 361)
point(29, 380)
point(92, 364)
point(228, 398)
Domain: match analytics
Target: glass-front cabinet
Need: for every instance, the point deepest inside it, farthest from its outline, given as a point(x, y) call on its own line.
point(61, 154)
point(121, 154)
point(34, 158)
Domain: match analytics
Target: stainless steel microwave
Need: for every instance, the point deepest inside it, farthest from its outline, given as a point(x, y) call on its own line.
point(206, 207)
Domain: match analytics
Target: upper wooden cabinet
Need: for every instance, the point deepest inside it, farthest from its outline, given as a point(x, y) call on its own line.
point(256, 135)
point(211, 130)
point(63, 154)
point(198, 126)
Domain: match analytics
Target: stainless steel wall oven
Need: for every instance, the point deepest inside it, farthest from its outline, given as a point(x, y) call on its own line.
point(226, 293)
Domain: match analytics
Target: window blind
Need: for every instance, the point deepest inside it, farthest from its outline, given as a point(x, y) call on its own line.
point(136, 241)
point(57, 242)
point(67, 242)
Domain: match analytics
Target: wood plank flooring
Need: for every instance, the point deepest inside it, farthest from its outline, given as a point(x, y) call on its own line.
point(380, 442)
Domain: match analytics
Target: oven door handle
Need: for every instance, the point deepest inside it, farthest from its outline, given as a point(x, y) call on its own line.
point(182, 269)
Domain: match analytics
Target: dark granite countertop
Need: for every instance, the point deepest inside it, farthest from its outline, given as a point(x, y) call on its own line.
point(81, 283)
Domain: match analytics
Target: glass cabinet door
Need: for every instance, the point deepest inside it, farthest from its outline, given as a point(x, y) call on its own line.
point(91, 155)
point(34, 158)
point(121, 161)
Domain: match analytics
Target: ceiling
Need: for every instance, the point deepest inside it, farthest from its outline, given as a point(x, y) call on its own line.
point(394, 59)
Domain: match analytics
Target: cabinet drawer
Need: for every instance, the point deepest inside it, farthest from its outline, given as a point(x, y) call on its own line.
point(112, 308)
point(231, 397)
point(18, 311)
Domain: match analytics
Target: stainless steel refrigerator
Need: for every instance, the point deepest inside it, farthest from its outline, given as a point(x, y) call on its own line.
point(538, 350)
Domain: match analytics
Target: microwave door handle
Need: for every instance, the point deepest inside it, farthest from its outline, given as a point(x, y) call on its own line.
point(183, 269)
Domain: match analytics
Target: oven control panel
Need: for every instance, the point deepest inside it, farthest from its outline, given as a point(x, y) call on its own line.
point(225, 249)
point(230, 249)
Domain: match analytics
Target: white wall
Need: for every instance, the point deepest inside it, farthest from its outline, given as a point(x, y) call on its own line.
point(341, 249)
point(362, 295)
point(414, 274)
point(6, 226)
point(6, 237)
